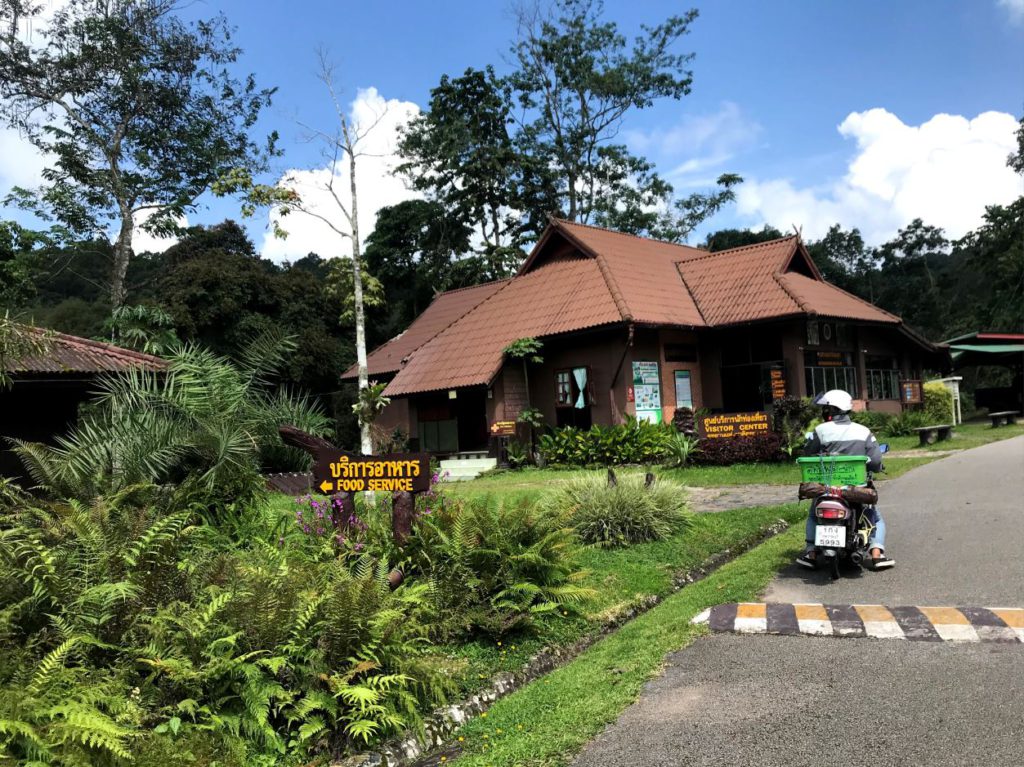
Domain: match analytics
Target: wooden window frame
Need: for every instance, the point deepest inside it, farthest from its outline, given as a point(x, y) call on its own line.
point(588, 395)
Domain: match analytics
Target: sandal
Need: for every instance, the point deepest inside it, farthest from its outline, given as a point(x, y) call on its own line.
point(808, 560)
point(882, 563)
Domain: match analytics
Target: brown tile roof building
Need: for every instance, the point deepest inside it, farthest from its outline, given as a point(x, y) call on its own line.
point(580, 276)
point(70, 355)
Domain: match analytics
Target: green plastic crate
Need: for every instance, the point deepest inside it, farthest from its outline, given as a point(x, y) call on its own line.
point(834, 469)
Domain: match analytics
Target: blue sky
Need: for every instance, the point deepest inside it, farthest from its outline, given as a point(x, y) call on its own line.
point(830, 110)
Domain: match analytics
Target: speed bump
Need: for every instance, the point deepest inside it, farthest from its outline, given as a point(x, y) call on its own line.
point(915, 624)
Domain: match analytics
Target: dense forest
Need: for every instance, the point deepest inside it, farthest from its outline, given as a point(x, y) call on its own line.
point(213, 288)
point(493, 154)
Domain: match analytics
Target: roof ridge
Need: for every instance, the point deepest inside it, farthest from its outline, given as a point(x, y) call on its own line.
point(777, 276)
point(470, 287)
point(693, 296)
point(108, 348)
point(855, 298)
point(625, 234)
point(606, 275)
point(728, 251)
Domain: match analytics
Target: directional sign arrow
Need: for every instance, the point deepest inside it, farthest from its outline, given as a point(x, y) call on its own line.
point(325, 487)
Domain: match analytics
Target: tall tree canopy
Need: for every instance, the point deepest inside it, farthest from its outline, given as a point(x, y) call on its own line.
point(503, 153)
point(138, 110)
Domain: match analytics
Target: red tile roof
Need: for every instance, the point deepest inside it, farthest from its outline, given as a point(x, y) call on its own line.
point(554, 298)
point(582, 276)
point(442, 312)
point(71, 354)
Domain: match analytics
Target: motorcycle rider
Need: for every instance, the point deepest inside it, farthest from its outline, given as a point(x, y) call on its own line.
point(839, 435)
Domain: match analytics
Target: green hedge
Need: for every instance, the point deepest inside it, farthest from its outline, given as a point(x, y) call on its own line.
point(632, 442)
point(938, 403)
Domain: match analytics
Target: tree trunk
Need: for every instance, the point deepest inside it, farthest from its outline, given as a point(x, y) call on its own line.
point(122, 255)
point(365, 440)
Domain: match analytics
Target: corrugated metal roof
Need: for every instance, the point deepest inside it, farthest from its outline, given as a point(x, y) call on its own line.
point(442, 312)
point(558, 297)
point(71, 354)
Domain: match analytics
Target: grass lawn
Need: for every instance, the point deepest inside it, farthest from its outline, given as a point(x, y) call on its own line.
point(549, 720)
point(621, 578)
point(966, 435)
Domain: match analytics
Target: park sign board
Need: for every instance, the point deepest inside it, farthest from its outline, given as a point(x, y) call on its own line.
point(339, 472)
point(733, 425)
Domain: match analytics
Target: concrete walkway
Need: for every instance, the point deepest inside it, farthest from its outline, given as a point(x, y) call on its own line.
point(956, 528)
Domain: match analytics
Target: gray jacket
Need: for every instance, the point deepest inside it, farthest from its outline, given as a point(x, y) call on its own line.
point(841, 436)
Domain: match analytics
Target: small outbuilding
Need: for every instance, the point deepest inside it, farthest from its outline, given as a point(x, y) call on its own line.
point(638, 327)
point(48, 388)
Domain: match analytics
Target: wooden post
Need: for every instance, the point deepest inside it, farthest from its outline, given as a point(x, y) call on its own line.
point(612, 481)
point(403, 507)
point(649, 480)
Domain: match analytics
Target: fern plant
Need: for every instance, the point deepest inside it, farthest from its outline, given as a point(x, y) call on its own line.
point(496, 564)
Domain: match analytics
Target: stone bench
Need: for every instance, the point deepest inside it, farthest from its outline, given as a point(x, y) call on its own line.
point(1004, 418)
point(929, 435)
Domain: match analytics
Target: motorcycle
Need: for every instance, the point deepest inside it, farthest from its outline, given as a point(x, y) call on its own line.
point(842, 528)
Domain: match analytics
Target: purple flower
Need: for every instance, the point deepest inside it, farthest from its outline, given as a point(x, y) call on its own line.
point(358, 546)
point(305, 528)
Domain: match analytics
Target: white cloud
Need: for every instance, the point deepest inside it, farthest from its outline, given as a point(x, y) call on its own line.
point(944, 171)
point(697, 143)
point(377, 185)
point(143, 241)
point(1014, 9)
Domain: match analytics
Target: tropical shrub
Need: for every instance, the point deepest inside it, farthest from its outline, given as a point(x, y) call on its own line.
point(938, 403)
point(495, 565)
point(206, 422)
point(904, 424)
point(767, 447)
point(681, 450)
point(629, 443)
point(685, 421)
point(878, 422)
point(791, 418)
point(130, 627)
point(623, 513)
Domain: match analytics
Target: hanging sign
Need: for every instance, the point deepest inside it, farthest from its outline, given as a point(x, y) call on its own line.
point(338, 472)
point(647, 391)
point(733, 425)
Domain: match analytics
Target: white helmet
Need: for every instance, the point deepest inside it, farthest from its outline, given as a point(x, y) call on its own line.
point(838, 399)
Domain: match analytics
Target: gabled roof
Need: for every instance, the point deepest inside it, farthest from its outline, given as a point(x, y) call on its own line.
point(768, 280)
point(70, 354)
point(442, 312)
point(556, 297)
point(581, 276)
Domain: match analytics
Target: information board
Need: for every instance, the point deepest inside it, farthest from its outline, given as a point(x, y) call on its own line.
point(733, 425)
point(647, 391)
point(778, 381)
point(910, 393)
point(337, 472)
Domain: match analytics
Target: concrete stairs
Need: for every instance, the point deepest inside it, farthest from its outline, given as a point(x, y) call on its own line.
point(465, 466)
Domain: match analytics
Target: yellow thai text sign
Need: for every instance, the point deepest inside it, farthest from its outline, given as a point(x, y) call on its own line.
point(733, 425)
point(337, 472)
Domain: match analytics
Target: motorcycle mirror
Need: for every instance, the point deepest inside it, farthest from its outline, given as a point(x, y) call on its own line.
point(884, 447)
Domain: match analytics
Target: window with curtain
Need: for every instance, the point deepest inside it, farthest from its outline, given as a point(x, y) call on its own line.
point(573, 388)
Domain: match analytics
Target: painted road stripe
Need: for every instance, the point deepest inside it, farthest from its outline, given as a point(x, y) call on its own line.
point(1012, 617)
point(751, 618)
point(990, 627)
point(915, 624)
point(879, 622)
point(781, 619)
point(951, 624)
point(813, 619)
point(845, 620)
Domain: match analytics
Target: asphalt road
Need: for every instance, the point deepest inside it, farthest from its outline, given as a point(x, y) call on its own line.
point(956, 529)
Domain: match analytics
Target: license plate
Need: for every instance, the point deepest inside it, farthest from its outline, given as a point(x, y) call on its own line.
point(830, 536)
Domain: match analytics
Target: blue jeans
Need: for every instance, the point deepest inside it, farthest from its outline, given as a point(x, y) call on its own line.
point(877, 540)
